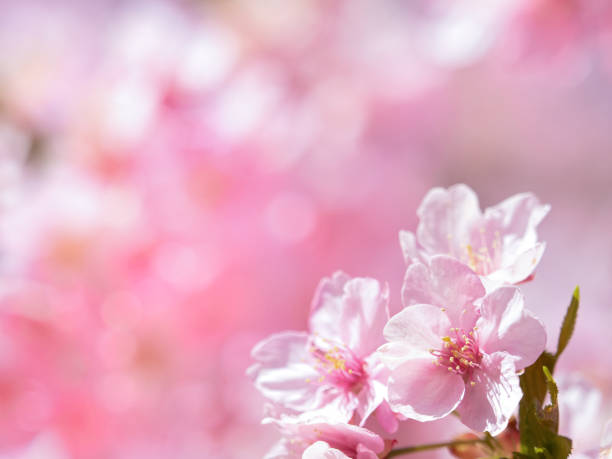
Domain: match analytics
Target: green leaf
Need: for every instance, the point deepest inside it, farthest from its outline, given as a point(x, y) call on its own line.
point(559, 446)
point(549, 416)
point(539, 425)
point(552, 385)
point(533, 380)
point(569, 322)
point(532, 433)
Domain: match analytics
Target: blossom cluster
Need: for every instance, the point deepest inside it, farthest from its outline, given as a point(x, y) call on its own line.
point(458, 345)
point(176, 176)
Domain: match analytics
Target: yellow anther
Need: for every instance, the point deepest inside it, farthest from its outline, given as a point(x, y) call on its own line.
point(338, 363)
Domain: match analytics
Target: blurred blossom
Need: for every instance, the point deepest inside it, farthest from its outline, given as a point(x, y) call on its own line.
point(176, 176)
point(456, 33)
point(581, 410)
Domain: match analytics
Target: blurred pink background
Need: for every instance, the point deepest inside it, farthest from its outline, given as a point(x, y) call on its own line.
point(175, 178)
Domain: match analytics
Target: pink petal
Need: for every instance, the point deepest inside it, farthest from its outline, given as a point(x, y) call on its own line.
point(370, 397)
point(521, 267)
point(423, 391)
point(412, 333)
point(519, 214)
point(283, 372)
point(338, 405)
point(579, 407)
point(342, 436)
point(326, 307)
point(322, 450)
point(506, 326)
point(387, 418)
point(352, 311)
point(446, 217)
point(409, 246)
point(365, 453)
point(488, 405)
point(515, 220)
point(447, 283)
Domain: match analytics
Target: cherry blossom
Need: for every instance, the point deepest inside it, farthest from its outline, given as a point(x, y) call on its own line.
point(335, 364)
point(455, 351)
point(501, 244)
point(310, 436)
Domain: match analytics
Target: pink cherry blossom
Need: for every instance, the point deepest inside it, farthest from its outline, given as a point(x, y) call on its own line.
point(336, 363)
point(500, 244)
point(581, 406)
point(454, 351)
point(604, 451)
point(310, 436)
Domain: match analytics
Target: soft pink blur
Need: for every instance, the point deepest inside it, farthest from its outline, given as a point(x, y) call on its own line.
point(176, 177)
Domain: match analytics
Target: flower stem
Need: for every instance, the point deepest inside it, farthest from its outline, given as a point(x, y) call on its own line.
point(416, 449)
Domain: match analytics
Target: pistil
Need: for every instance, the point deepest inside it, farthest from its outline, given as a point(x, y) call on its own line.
point(459, 353)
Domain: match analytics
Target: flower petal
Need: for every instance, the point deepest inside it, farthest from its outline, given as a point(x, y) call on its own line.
point(506, 326)
point(322, 450)
point(515, 221)
point(521, 267)
point(283, 372)
point(445, 282)
point(489, 403)
point(446, 217)
point(408, 244)
point(370, 397)
point(365, 453)
point(423, 391)
point(519, 215)
point(387, 418)
point(352, 311)
point(413, 332)
point(326, 307)
point(344, 437)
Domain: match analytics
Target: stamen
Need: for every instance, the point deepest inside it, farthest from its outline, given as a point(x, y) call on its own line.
point(460, 354)
point(337, 365)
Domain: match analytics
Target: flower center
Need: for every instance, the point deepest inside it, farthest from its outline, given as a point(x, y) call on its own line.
point(337, 364)
point(459, 353)
point(483, 254)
